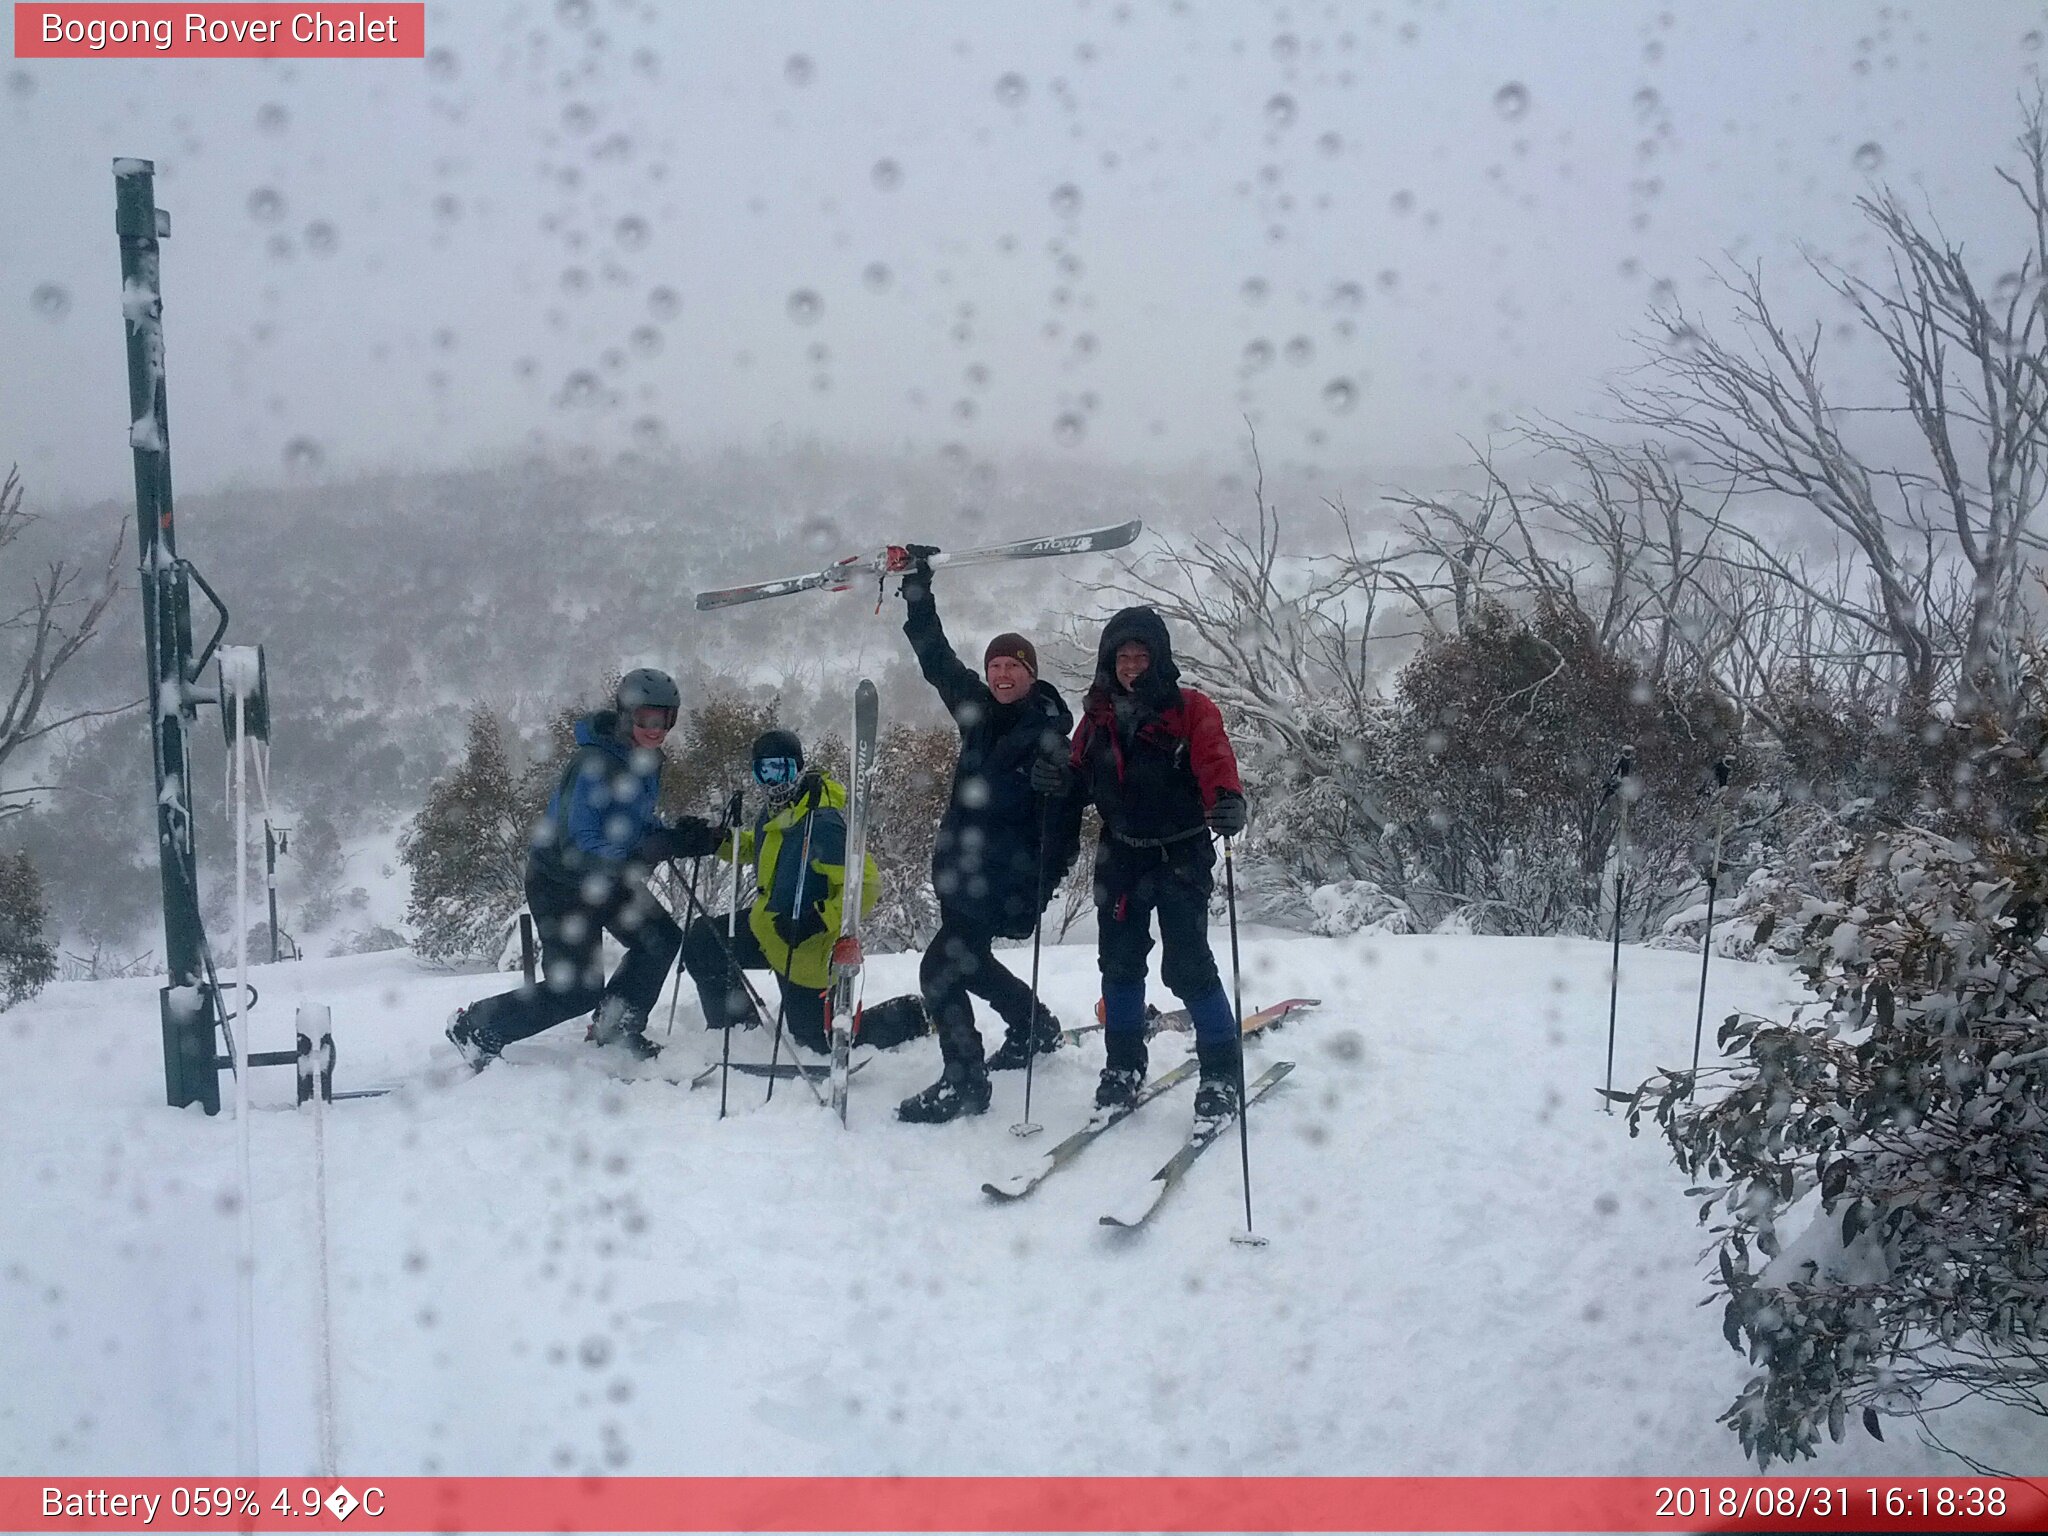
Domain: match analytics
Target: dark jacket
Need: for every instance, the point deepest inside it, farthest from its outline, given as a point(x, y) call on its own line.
point(600, 820)
point(1153, 760)
point(985, 858)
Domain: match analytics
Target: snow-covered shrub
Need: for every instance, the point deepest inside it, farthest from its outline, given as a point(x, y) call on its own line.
point(28, 959)
point(1345, 907)
point(1901, 1116)
point(466, 849)
point(1494, 767)
point(913, 780)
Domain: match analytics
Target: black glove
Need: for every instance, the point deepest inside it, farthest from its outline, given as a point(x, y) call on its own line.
point(793, 930)
point(1227, 815)
point(917, 576)
point(733, 810)
point(692, 837)
point(1050, 776)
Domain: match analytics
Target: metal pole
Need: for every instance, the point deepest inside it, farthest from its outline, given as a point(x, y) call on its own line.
point(189, 1006)
point(1027, 1126)
point(1699, 1021)
point(1617, 785)
point(1244, 1134)
point(270, 879)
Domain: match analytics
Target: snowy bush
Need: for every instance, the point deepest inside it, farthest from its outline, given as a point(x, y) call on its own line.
point(466, 849)
point(28, 960)
point(1345, 907)
point(1901, 1116)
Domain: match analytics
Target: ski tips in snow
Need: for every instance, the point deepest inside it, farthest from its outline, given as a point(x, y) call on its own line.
point(895, 558)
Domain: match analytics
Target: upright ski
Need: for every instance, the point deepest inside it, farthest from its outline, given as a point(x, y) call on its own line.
point(895, 558)
point(842, 1005)
point(1138, 1209)
point(1049, 1162)
point(1177, 1019)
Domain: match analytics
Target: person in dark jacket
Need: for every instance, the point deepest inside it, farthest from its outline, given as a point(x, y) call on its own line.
point(1155, 761)
point(989, 866)
point(587, 865)
point(797, 845)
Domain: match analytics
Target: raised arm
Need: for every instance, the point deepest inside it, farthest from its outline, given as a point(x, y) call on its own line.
point(941, 666)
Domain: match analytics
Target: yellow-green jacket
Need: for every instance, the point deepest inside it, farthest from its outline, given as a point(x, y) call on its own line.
point(809, 963)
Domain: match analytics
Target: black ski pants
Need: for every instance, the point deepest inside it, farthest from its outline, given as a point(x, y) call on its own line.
point(1131, 884)
point(958, 965)
point(710, 959)
point(572, 927)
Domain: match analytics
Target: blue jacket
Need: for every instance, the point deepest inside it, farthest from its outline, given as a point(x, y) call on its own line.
point(601, 816)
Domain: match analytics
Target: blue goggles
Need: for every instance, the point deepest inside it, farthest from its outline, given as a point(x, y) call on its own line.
point(776, 770)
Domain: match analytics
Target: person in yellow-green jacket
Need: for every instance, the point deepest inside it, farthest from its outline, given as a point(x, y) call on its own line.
point(797, 846)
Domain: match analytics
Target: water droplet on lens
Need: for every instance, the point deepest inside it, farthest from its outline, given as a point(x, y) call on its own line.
point(321, 238)
point(1869, 157)
point(1011, 89)
point(581, 388)
point(1331, 144)
point(20, 83)
point(595, 1351)
point(888, 175)
point(2031, 42)
point(442, 63)
point(805, 306)
point(1285, 47)
point(573, 12)
point(1647, 101)
point(1066, 199)
point(876, 275)
point(302, 455)
point(50, 301)
point(1403, 202)
point(1511, 100)
point(266, 205)
point(1683, 340)
point(1069, 428)
point(1388, 279)
point(1340, 395)
point(1280, 110)
point(1348, 295)
point(631, 232)
point(646, 340)
point(1258, 354)
point(272, 118)
point(663, 302)
point(1254, 290)
point(1300, 349)
point(799, 70)
point(648, 432)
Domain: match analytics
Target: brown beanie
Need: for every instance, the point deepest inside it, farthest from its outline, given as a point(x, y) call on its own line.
point(1013, 645)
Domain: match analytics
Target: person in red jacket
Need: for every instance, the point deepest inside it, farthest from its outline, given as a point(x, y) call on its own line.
point(1155, 761)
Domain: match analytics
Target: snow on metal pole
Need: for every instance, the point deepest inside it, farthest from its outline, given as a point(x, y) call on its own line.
point(1617, 785)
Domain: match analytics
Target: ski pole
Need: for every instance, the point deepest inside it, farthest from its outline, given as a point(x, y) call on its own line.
point(1699, 1021)
point(1244, 1135)
point(676, 991)
point(1617, 784)
point(732, 961)
point(732, 944)
point(796, 902)
point(1025, 1127)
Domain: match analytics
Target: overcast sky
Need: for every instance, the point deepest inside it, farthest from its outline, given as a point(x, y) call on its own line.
point(1112, 227)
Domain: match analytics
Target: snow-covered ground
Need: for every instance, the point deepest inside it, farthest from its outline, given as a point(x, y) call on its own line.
point(1472, 1268)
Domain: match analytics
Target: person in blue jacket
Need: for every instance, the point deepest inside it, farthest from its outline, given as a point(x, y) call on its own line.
point(587, 865)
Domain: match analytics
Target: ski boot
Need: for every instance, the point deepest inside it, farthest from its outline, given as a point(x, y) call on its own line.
point(1042, 1038)
point(1124, 1072)
point(1222, 1064)
point(618, 1022)
point(477, 1049)
point(961, 1090)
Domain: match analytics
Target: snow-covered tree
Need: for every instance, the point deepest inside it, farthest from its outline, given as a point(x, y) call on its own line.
point(1878, 1163)
point(466, 849)
point(28, 960)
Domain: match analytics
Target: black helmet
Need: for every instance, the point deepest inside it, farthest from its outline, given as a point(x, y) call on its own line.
point(645, 688)
point(781, 749)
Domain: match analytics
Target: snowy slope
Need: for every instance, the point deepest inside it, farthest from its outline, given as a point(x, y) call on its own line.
point(1472, 1269)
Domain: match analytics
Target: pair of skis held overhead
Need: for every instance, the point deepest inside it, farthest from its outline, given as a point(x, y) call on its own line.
point(842, 1008)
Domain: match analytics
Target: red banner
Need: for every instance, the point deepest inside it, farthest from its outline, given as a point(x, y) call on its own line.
point(522, 1504)
point(360, 31)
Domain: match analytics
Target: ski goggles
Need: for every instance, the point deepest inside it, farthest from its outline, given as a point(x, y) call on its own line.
point(652, 717)
point(776, 770)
